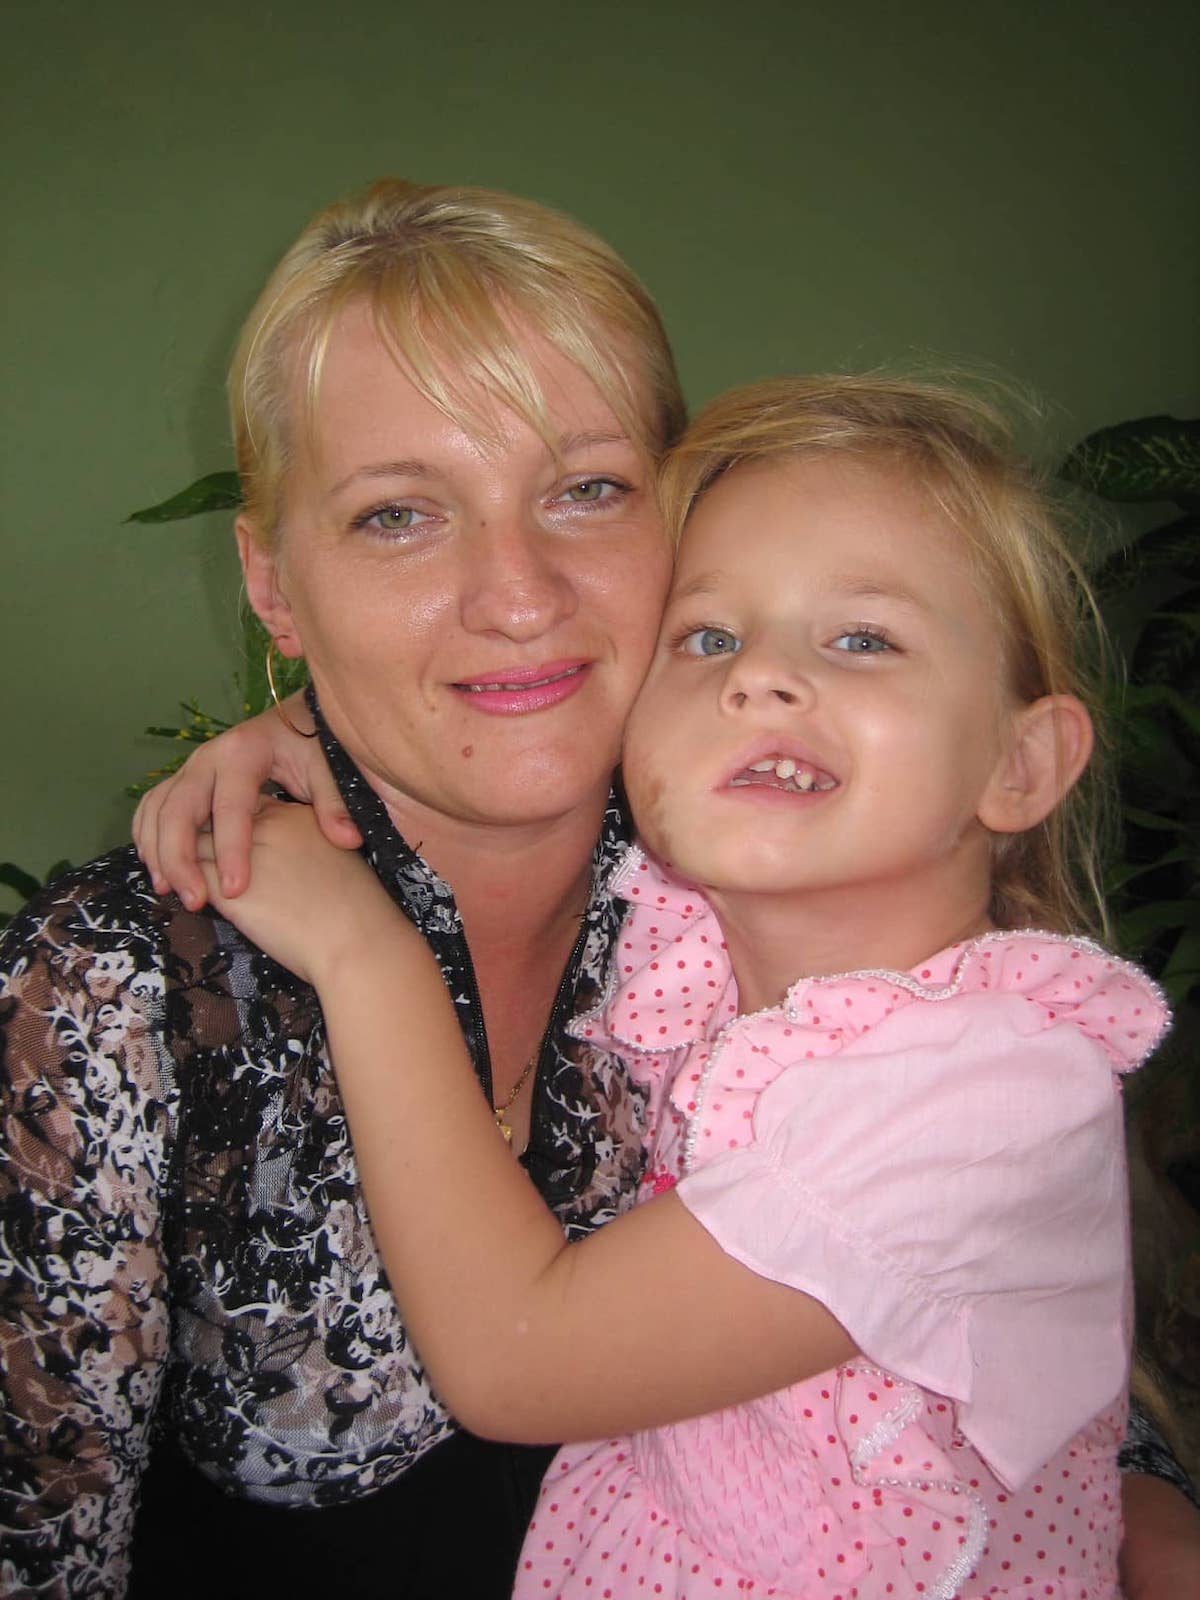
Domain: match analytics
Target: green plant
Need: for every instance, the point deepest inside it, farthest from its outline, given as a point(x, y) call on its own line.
point(217, 491)
point(24, 884)
point(1149, 592)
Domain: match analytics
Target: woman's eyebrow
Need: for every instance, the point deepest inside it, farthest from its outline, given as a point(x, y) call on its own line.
point(386, 469)
point(581, 441)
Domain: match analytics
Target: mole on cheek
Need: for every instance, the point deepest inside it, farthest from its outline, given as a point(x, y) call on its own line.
point(468, 750)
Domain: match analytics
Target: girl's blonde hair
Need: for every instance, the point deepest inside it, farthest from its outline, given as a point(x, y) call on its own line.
point(959, 450)
point(454, 278)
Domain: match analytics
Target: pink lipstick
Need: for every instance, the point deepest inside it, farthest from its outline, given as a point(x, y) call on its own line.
point(515, 691)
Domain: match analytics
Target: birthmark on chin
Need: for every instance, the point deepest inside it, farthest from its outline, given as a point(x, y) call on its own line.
point(468, 750)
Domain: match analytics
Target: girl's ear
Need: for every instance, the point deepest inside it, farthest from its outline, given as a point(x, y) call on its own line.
point(1049, 745)
point(260, 570)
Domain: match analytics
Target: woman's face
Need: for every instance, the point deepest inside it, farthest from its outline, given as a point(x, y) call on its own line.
point(476, 617)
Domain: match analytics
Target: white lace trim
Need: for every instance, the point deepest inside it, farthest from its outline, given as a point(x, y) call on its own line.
point(885, 1432)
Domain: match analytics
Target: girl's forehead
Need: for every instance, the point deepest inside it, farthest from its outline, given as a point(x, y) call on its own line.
point(816, 500)
point(857, 528)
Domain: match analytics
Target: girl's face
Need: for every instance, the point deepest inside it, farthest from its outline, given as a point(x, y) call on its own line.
point(828, 704)
point(476, 617)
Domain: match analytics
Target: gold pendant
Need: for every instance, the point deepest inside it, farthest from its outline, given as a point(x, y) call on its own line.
point(503, 1126)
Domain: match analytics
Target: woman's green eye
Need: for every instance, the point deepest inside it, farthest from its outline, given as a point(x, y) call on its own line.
point(391, 519)
point(711, 642)
point(589, 489)
point(394, 517)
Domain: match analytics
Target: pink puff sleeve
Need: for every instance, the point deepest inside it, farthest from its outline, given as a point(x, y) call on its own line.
point(952, 1187)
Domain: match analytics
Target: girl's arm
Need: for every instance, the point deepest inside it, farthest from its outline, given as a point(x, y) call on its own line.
point(1160, 1550)
point(525, 1337)
point(220, 786)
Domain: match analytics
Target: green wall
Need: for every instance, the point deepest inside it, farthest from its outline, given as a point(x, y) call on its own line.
point(802, 186)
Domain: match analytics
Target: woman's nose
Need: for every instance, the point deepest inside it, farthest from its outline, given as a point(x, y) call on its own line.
point(515, 583)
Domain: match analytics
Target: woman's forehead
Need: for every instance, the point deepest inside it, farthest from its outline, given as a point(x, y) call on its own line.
point(364, 361)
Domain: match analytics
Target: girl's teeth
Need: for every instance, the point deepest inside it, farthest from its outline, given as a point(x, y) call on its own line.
point(789, 771)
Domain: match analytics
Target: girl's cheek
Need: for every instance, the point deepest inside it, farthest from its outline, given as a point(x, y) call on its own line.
point(647, 788)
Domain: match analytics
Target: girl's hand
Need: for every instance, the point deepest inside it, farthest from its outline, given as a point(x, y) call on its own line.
point(309, 905)
point(219, 786)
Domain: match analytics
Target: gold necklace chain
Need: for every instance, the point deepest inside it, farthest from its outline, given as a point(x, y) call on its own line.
point(499, 1111)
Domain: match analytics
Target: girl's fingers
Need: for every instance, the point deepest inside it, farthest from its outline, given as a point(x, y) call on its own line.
point(237, 800)
point(182, 814)
point(145, 833)
point(332, 816)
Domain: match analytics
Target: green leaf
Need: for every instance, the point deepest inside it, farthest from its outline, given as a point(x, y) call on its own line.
point(1138, 927)
point(1126, 872)
point(200, 727)
point(290, 675)
point(135, 791)
point(1151, 821)
point(1150, 458)
point(1183, 968)
point(24, 883)
point(219, 491)
point(19, 881)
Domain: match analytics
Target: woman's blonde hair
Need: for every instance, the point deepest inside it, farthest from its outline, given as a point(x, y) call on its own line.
point(959, 449)
point(452, 277)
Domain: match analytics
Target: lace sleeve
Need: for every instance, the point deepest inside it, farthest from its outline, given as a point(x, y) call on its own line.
point(84, 1121)
point(1145, 1450)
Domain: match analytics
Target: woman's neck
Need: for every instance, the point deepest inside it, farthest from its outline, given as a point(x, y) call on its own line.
point(513, 882)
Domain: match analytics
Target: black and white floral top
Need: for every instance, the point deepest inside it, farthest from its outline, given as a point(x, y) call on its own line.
point(182, 1234)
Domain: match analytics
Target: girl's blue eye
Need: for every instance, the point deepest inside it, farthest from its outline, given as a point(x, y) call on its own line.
point(711, 642)
point(861, 642)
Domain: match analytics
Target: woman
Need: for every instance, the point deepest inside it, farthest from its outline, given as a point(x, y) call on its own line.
point(448, 407)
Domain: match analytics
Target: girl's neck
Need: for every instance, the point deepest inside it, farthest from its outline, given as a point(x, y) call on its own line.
point(774, 941)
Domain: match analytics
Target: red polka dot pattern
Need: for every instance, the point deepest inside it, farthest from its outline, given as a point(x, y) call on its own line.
point(859, 1484)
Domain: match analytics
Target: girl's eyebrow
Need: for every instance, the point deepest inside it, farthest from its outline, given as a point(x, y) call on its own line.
point(851, 586)
point(706, 583)
point(857, 587)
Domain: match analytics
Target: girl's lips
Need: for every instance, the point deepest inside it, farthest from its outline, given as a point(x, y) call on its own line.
point(512, 692)
point(781, 772)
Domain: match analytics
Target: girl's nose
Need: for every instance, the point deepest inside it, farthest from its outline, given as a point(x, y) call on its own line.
point(514, 582)
point(761, 678)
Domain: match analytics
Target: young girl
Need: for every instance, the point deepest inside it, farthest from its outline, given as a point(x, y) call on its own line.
point(868, 1333)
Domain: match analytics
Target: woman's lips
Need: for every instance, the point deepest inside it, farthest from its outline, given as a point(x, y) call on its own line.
point(512, 692)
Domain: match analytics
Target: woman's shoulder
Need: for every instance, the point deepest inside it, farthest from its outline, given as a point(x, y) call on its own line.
point(98, 945)
point(86, 912)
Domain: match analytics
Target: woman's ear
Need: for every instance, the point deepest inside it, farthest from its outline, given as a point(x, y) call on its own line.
point(1049, 745)
point(260, 571)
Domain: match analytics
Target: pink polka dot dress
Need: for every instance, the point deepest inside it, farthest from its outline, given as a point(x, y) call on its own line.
point(937, 1157)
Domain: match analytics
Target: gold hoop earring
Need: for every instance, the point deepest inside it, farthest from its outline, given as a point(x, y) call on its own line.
point(275, 694)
